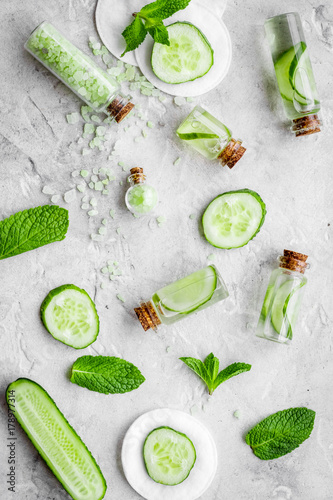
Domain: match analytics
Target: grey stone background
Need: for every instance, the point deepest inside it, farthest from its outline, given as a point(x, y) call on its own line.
point(294, 178)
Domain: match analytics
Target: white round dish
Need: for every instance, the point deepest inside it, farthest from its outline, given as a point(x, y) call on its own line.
point(203, 471)
point(112, 17)
point(218, 36)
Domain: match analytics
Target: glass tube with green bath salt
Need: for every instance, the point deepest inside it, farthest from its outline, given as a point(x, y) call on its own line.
point(294, 72)
point(74, 68)
point(186, 296)
point(210, 137)
point(140, 198)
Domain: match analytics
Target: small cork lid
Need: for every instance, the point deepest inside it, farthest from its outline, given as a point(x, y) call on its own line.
point(306, 125)
point(119, 108)
point(294, 261)
point(137, 175)
point(147, 316)
point(232, 153)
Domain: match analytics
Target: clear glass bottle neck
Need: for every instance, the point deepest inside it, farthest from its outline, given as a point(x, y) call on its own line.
point(135, 179)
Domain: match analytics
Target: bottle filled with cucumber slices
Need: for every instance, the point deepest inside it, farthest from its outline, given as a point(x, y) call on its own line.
point(283, 298)
point(210, 137)
point(140, 198)
point(174, 302)
point(294, 72)
point(87, 80)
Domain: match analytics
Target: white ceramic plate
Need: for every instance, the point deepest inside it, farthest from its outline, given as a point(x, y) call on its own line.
point(203, 471)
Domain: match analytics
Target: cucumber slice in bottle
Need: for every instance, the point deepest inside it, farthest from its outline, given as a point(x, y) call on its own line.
point(169, 456)
point(196, 135)
point(188, 57)
point(232, 219)
point(284, 313)
point(70, 316)
point(189, 293)
point(55, 440)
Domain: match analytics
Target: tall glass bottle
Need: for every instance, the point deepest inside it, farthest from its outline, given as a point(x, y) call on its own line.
point(283, 298)
point(87, 80)
point(294, 72)
point(182, 298)
point(210, 137)
point(140, 198)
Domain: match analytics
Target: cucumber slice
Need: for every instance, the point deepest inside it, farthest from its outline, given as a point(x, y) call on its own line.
point(232, 219)
point(188, 57)
point(169, 456)
point(285, 67)
point(285, 308)
point(189, 293)
point(55, 440)
point(197, 135)
point(70, 316)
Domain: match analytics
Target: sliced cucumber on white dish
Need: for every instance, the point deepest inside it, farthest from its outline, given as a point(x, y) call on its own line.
point(200, 476)
point(214, 29)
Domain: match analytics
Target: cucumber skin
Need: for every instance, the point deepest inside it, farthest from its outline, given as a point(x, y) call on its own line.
point(205, 39)
point(182, 434)
point(264, 212)
point(55, 292)
point(11, 386)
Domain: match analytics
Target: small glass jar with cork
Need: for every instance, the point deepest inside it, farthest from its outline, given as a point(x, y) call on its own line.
point(181, 298)
point(210, 137)
point(140, 198)
point(283, 298)
point(74, 68)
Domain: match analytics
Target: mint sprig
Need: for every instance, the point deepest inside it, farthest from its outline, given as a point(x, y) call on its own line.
point(150, 20)
point(106, 374)
point(208, 370)
point(281, 432)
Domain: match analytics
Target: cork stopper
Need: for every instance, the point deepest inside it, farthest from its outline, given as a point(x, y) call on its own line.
point(137, 176)
point(294, 261)
point(232, 153)
point(147, 316)
point(119, 108)
point(306, 125)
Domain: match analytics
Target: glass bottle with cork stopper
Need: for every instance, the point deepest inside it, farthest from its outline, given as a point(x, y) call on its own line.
point(283, 298)
point(210, 137)
point(178, 300)
point(140, 198)
point(294, 72)
point(98, 89)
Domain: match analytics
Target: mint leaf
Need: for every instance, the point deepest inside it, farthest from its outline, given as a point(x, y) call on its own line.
point(106, 374)
point(161, 9)
point(208, 371)
point(134, 35)
point(159, 33)
point(149, 20)
point(31, 229)
point(281, 433)
point(230, 371)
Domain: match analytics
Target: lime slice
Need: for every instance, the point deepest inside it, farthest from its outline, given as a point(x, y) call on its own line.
point(196, 135)
point(189, 293)
point(232, 219)
point(69, 314)
point(188, 57)
point(285, 308)
point(169, 456)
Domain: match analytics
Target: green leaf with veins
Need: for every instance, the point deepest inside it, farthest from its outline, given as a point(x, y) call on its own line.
point(159, 33)
point(281, 432)
point(162, 9)
point(106, 374)
point(208, 371)
point(134, 34)
point(32, 229)
point(149, 20)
